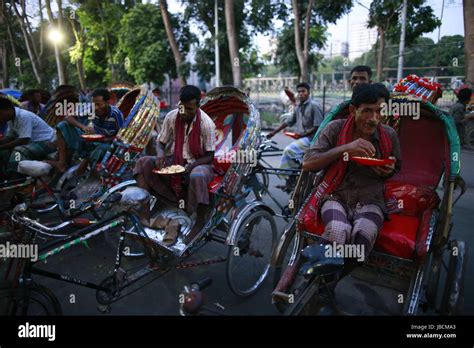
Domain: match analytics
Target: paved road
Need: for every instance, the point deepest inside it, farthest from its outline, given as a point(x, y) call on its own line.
point(160, 297)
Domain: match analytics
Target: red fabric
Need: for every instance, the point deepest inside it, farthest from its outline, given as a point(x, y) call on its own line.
point(422, 235)
point(413, 200)
point(335, 173)
point(194, 147)
point(194, 139)
point(406, 233)
point(397, 236)
point(216, 183)
point(424, 149)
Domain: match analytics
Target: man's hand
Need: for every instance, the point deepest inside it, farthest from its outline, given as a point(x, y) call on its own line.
point(88, 130)
point(386, 170)
point(159, 161)
point(270, 135)
point(360, 147)
point(188, 167)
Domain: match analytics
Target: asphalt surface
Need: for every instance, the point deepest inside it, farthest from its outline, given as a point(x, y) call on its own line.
point(95, 262)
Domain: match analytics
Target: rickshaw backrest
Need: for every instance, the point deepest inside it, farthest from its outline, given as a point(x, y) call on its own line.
point(424, 150)
point(225, 112)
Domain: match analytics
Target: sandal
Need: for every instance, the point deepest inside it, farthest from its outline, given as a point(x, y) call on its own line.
point(171, 233)
point(160, 222)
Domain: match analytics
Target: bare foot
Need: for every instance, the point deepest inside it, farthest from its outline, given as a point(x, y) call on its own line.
point(194, 232)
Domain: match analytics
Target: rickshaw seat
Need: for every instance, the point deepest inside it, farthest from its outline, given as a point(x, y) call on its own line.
point(404, 233)
point(34, 169)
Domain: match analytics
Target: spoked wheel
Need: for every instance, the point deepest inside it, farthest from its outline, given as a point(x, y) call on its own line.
point(288, 248)
point(248, 261)
point(453, 295)
point(35, 300)
point(469, 136)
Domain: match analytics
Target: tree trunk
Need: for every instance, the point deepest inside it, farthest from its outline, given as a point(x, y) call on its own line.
point(4, 82)
point(12, 46)
point(468, 7)
point(57, 55)
point(80, 61)
point(33, 59)
point(172, 40)
point(61, 27)
point(302, 45)
point(40, 12)
point(233, 43)
point(110, 57)
point(380, 54)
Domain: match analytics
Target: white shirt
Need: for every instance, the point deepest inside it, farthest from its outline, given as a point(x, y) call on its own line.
point(28, 125)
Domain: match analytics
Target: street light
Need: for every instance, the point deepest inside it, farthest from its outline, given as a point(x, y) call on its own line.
point(258, 88)
point(55, 36)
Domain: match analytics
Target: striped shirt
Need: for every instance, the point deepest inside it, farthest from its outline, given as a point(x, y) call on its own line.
point(208, 135)
point(110, 124)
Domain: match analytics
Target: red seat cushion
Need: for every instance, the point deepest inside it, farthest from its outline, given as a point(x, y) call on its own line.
point(413, 200)
point(215, 184)
point(402, 234)
point(398, 236)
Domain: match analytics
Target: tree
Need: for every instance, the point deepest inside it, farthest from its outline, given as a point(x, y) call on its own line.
point(385, 16)
point(315, 13)
point(250, 17)
point(77, 52)
point(58, 27)
point(286, 57)
point(233, 43)
point(20, 13)
point(468, 9)
point(4, 79)
point(172, 40)
point(422, 53)
point(143, 44)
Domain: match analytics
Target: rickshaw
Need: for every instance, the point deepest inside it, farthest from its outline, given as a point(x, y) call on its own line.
point(244, 224)
point(74, 195)
point(406, 268)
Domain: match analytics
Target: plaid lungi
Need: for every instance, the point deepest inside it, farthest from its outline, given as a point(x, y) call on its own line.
point(32, 151)
point(357, 226)
point(72, 136)
point(196, 183)
point(293, 154)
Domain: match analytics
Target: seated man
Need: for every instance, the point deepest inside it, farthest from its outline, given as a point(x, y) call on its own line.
point(352, 204)
point(106, 120)
point(33, 102)
point(458, 111)
point(187, 138)
point(28, 136)
point(307, 117)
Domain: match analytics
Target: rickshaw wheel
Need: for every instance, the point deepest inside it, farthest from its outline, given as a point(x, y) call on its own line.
point(469, 137)
point(37, 300)
point(453, 295)
point(248, 261)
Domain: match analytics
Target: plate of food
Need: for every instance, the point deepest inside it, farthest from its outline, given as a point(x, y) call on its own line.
point(92, 137)
point(291, 135)
point(174, 169)
point(372, 162)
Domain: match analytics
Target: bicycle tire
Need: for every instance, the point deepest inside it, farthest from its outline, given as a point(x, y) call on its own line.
point(12, 300)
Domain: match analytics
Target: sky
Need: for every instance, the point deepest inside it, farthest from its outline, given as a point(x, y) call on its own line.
point(360, 37)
